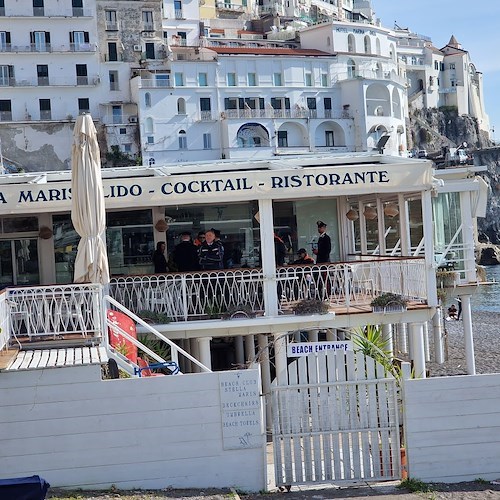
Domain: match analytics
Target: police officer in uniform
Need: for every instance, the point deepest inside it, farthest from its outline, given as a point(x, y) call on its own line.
point(324, 244)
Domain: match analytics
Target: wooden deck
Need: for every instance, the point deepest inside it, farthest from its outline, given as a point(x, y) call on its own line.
point(55, 357)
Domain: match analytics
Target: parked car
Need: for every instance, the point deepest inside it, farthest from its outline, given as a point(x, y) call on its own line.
point(422, 153)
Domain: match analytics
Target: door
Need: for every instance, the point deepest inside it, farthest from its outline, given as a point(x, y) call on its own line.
point(19, 262)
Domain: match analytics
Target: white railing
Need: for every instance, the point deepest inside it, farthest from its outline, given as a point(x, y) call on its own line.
point(55, 310)
point(202, 295)
point(182, 296)
point(4, 321)
point(175, 350)
point(284, 113)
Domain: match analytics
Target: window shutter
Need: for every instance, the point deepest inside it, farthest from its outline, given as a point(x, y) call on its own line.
point(287, 103)
point(261, 103)
point(47, 37)
point(241, 103)
point(32, 37)
point(86, 36)
point(7, 37)
point(226, 103)
point(71, 36)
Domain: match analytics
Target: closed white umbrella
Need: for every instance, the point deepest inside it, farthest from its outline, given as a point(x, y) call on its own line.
point(87, 207)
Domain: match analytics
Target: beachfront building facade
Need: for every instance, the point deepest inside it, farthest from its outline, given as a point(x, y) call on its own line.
point(383, 215)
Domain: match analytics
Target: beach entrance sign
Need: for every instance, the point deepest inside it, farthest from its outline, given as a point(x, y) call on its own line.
point(296, 349)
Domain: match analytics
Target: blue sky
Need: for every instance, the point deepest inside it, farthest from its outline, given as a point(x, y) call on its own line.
point(478, 30)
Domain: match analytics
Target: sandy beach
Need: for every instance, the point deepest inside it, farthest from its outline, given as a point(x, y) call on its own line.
point(486, 330)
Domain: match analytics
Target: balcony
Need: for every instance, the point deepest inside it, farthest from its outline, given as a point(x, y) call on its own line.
point(227, 6)
point(239, 114)
point(178, 14)
point(148, 27)
point(50, 48)
point(346, 287)
point(112, 26)
point(5, 116)
point(206, 116)
point(57, 81)
point(19, 9)
point(155, 83)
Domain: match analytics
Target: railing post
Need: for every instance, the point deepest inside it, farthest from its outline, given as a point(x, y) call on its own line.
point(347, 288)
point(184, 296)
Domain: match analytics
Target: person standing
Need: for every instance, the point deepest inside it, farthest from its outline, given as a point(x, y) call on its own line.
point(186, 254)
point(279, 250)
point(159, 259)
point(324, 248)
point(211, 253)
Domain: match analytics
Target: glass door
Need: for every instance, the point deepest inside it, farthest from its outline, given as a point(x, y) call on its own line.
point(19, 262)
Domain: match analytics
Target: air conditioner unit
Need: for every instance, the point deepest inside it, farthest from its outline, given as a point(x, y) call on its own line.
point(132, 119)
point(137, 48)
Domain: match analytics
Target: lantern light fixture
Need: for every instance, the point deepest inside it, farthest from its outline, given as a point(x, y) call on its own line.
point(370, 213)
point(352, 215)
point(391, 210)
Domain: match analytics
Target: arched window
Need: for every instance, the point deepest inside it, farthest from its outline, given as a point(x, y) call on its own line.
point(147, 100)
point(392, 52)
point(351, 44)
point(413, 60)
point(378, 70)
point(151, 162)
point(181, 106)
point(368, 45)
point(351, 68)
point(378, 47)
point(182, 139)
point(148, 125)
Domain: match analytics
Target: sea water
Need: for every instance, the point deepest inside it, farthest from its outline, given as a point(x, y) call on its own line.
point(488, 296)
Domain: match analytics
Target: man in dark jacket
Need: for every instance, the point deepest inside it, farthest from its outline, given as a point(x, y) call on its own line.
point(186, 254)
point(324, 244)
point(303, 257)
point(211, 253)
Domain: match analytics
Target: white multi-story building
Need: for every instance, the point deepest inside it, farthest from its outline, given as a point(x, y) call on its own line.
point(443, 77)
point(243, 99)
point(49, 73)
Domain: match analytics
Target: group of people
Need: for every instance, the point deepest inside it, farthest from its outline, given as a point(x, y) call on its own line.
point(322, 250)
point(206, 252)
point(453, 312)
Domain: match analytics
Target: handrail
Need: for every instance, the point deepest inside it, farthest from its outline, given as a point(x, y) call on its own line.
point(174, 348)
point(4, 321)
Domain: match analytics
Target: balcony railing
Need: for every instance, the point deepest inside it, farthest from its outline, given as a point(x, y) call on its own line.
point(55, 81)
point(202, 295)
point(229, 6)
point(18, 9)
point(150, 83)
point(178, 14)
point(55, 310)
point(206, 116)
point(284, 113)
point(48, 47)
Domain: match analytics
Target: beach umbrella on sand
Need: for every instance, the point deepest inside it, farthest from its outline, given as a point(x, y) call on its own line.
point(87, 207)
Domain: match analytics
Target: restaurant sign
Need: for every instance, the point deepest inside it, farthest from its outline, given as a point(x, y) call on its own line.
point(223, 186)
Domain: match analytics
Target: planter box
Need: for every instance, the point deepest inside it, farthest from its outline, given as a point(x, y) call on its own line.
point(391, 308)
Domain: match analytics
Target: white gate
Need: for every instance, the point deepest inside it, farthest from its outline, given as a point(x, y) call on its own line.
point(336, 420)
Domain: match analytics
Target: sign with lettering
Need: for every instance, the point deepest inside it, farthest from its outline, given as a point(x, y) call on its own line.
point(296, 349)
point(180, 189)
point(241, 407)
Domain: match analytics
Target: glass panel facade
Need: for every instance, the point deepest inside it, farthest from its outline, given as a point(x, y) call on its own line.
point(66, 241)
point(130, 242)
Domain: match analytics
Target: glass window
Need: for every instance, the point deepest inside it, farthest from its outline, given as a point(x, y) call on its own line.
point(308, 80)
point(130, 241)
point(324, 80)
point(19, 224)
point(202, 79)
point(277, 80)
point(282, 139)
point(83, 105)
point(231, 79)
point(66, 241)
point(252, 80)
point(207, 141)
point(179, 79)
point(182, 140)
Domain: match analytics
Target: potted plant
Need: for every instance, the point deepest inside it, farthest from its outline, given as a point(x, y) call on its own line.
point(310, 306)
point(389, 302)
point(239, 311)
point(153, 318)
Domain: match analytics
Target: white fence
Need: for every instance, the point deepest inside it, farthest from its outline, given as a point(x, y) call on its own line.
point(78, 431)
point(4, 321)
point(452, 428)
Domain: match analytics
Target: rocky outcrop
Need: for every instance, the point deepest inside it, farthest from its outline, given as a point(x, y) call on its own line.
point(488, 255)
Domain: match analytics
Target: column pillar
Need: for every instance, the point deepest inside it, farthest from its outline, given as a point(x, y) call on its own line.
point(331, 334)
point(268, 258)
point(416, 333)
point(265, 371)
point(250, 348)
point(468, 336)
point(195, 352)
point(426, 342)
point(437, 326)
point(205, 357)
point(280, 358)
point(239, 350)
point(388, 339)
point(313, 335)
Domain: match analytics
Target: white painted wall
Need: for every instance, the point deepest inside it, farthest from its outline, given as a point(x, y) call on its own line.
point(452, 427)
point(75, 430)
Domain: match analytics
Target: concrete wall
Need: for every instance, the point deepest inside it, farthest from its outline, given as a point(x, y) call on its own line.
point(76, 430)
point(452, 427)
